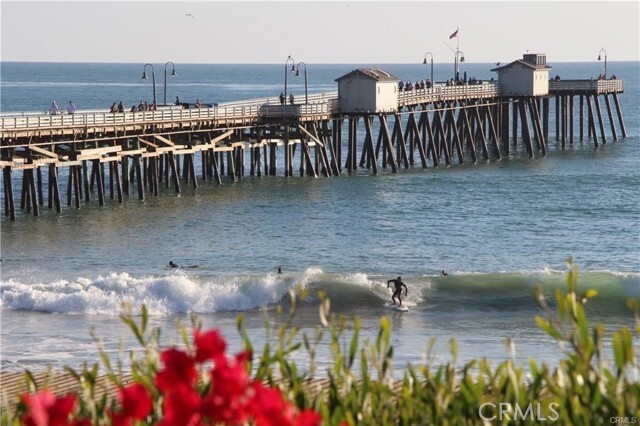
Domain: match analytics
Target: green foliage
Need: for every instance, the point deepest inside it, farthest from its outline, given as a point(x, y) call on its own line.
point(359, 388)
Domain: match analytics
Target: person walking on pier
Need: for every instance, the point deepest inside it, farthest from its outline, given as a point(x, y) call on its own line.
point(54, 110)
point(71, 109)
point(398, 291)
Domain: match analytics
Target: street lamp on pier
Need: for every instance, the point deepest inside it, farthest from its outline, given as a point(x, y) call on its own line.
point(459, 59)
point(144, 77)
point(306, 96)
point(425, 62)
point(605, 60)
point(286, 71)
point(173, 74)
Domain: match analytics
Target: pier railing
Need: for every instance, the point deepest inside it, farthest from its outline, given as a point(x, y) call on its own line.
point(598, 86)
point(321, 103)
point(444, 93)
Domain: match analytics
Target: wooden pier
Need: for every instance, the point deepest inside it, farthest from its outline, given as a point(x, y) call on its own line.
point(114, 155)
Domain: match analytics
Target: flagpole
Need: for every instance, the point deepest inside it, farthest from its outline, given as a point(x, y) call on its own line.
point(457, 70)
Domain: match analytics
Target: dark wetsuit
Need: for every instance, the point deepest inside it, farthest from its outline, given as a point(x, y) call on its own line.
point(398, 291)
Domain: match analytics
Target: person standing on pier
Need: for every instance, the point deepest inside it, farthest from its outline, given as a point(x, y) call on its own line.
point(281, 98)
point(291, 99)
point(54, 110)
point(71, 109)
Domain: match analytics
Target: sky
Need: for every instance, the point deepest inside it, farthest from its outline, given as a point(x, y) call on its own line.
point(351, 32)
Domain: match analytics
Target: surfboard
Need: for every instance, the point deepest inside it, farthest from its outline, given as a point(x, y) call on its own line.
point(396, 307)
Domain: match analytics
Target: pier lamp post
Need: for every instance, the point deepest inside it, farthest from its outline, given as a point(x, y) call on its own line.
point(425, 62)
point(286, 71)
point(306, 96)
point(153, 74)
point(605, 60)
point(173, 74)
point(459, 59)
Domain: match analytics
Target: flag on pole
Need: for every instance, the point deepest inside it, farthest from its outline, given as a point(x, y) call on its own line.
point(455, 34)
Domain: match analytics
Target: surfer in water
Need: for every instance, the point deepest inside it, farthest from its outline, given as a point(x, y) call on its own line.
point(398, 291)
point(175, 265)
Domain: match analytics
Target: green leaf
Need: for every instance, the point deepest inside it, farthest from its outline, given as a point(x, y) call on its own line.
point(546, 326)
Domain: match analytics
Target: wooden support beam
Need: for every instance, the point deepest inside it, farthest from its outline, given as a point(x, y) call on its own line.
point(401, 148)
point(431, 147)
point(386, 140)
point(571, 119)
point(83, 180)
point(413, 125)
point(600, 120)
point(592, 128)
point(480, 130)
point(10, 207)
point(467, 127)
point(43, 152)
point(525, 127)
point(492, 132)
point(581, 117)
point(163, 140)
point(610, 114)
point(454, 135)
point(545, 120)
point(537, 127)
point(619, 111)
point(368, 144)
point(441, 137)
point(95, 172)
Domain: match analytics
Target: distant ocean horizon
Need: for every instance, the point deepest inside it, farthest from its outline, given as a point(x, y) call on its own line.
point(499, 228)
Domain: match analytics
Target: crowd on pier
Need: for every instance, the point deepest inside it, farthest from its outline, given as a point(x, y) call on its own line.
point(55, 109)
point(427, 84)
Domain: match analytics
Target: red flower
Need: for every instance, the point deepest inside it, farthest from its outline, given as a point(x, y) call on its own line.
point(228, 398)
point(308, 418)
point(179, 368)
point(208, 345)
point(45, 409)
point(269, 407)
point(181, 406)
point(136, 401)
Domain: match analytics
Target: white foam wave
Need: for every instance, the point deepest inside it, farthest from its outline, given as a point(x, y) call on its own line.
point(174, 293)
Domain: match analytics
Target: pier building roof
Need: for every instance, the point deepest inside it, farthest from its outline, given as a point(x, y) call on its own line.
point(534, 61)
point(374, 74)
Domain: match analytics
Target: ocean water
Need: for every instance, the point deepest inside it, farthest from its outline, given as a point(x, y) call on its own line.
point(500, 228)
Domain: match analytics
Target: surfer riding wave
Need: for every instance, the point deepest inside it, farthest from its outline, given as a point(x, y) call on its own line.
point(398, 291)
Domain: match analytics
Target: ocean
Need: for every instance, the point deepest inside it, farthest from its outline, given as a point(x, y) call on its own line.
point(499, 228)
